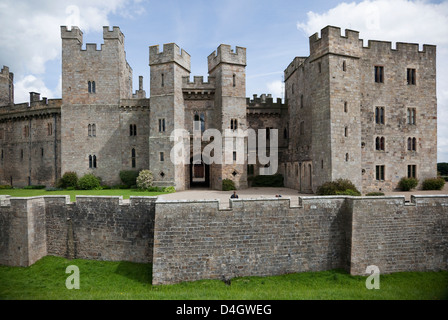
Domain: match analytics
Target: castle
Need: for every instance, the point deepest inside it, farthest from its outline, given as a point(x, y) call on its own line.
point(368, 114)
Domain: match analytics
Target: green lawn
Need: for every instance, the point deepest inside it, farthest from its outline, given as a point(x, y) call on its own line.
point(124, 280)
point(126, 193)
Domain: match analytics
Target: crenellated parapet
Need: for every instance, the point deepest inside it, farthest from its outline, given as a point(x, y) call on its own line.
point(224, 54)
point(198, 83)
point(114, 34)
point(331, 41)
point(293, 66)
point(74, 34)
point(171, 53)
point(265, 104)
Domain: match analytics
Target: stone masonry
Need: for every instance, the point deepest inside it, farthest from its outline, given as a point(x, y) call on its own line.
point(367, 114)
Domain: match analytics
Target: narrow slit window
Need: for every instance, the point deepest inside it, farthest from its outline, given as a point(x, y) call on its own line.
point(163, 80)
point(344, 66)
point(234, 80)
point(379, 74)
point(411, 76)
point(412, 171)
point(133, 158)
point(380, 173)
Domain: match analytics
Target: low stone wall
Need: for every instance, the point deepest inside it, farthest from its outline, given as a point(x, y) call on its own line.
point(193, 240)
point(97, 228)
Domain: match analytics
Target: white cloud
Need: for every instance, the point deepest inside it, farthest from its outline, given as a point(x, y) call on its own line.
point(28, 84)
point(397, 21)
point(275, 88)
point(30, 34)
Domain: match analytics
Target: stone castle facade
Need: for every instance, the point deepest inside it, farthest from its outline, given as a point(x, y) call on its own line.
point(368, 114)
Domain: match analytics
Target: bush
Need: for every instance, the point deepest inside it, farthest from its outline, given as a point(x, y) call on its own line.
point(443, 177)
point(433, 184)
point(407, 184)
point(89, 182)
point(442, 167)
point(169, 189)
point(348, 192)
point(129, 177)
point(68, 180)
point(375, 194)
point(275, 180)
point(5, 186)
point(34, 187)
point(144, 180)
point(228, 185)
point(338, 187)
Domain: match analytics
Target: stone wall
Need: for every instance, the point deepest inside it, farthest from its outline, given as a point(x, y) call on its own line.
point(96, 228)
point(193, 240)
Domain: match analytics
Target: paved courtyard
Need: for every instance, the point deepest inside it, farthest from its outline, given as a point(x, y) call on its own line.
point(263, 193)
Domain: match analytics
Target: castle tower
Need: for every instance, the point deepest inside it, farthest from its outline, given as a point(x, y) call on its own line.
point(6, 87)
point(94, 81)
point(228, 68)
point(167, 69)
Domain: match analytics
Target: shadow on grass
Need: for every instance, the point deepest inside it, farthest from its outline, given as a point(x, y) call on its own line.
point(140, 272)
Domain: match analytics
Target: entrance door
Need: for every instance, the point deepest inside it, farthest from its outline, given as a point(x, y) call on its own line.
point(199, 175)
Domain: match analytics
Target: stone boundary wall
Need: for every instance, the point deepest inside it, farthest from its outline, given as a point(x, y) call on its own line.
point(97, 228)
point(193, 240)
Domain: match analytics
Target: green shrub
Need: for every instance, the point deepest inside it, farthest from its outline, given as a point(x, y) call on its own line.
point(228, 185)
point(275, 180)
point(34, 187)
point(407, 184)
point(348, 192)
point(444, 178)
point(338, 187)
point(442, 167)
point(145, 180)
point(89, 182)
point(375, 194)
point(129, 177)
point(68, 180)
point(170, 189)
point(5, 186)
point(433, 184)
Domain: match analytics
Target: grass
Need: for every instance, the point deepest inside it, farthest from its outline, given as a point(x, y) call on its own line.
point(126, 193)
point(102, 280)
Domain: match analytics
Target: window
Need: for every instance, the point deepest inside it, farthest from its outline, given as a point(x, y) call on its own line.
point(380, 143)
point(91, 130)
point(411, 76)
point(412, 171)
point(92, 161)
point(346, 131)
point(301, 101)
point(380, 173)
point(344, 66)
point(163, 80)
point(91, 86)
point(41, 152)
point(411, 115)
point(268, 133)
point(202, 119)
point(50, 129)
point(161, 125)
point(412, 144)
point(302, 128)
point(234, 80)
point(234, 155)
point(132, 129)
point(319, 66)
point(2, 154)
point(379, 115)
point(233, 124)
point(347, 157)
point(285, 133)
point(133, 157)
point(161, 156)
point(21, 154)
point(345, 107)
point(379, 74)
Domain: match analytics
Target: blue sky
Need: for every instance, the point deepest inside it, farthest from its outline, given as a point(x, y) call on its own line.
point(274, 32)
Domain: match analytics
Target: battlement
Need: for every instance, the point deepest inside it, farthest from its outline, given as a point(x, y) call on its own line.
point(224, 54)
point(5, 71)
point(74, 34)
point(331, 41)
point(198, 83)
point(264, 104)
point(401, 47)
point(113, 34)
point(293, 66)
point(171, 53)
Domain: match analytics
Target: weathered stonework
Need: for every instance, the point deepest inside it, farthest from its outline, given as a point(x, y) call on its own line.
point(326, 128)
point(193, 240)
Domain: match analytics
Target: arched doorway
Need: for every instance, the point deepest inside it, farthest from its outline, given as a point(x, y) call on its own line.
point(199, 175)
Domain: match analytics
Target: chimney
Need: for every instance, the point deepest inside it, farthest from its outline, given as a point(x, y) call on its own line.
point(34, 97)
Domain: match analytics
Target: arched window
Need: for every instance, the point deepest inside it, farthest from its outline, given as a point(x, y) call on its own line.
point(89, 132)
point(93, 130)
point(90, 162)
point(233, 124)
point(93, 87)
point(94, 161)
point(197, 123)
point(133, 158)
point(89, 84)
point(202, 118)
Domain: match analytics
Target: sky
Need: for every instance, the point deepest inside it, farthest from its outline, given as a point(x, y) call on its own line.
point(274, 32)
